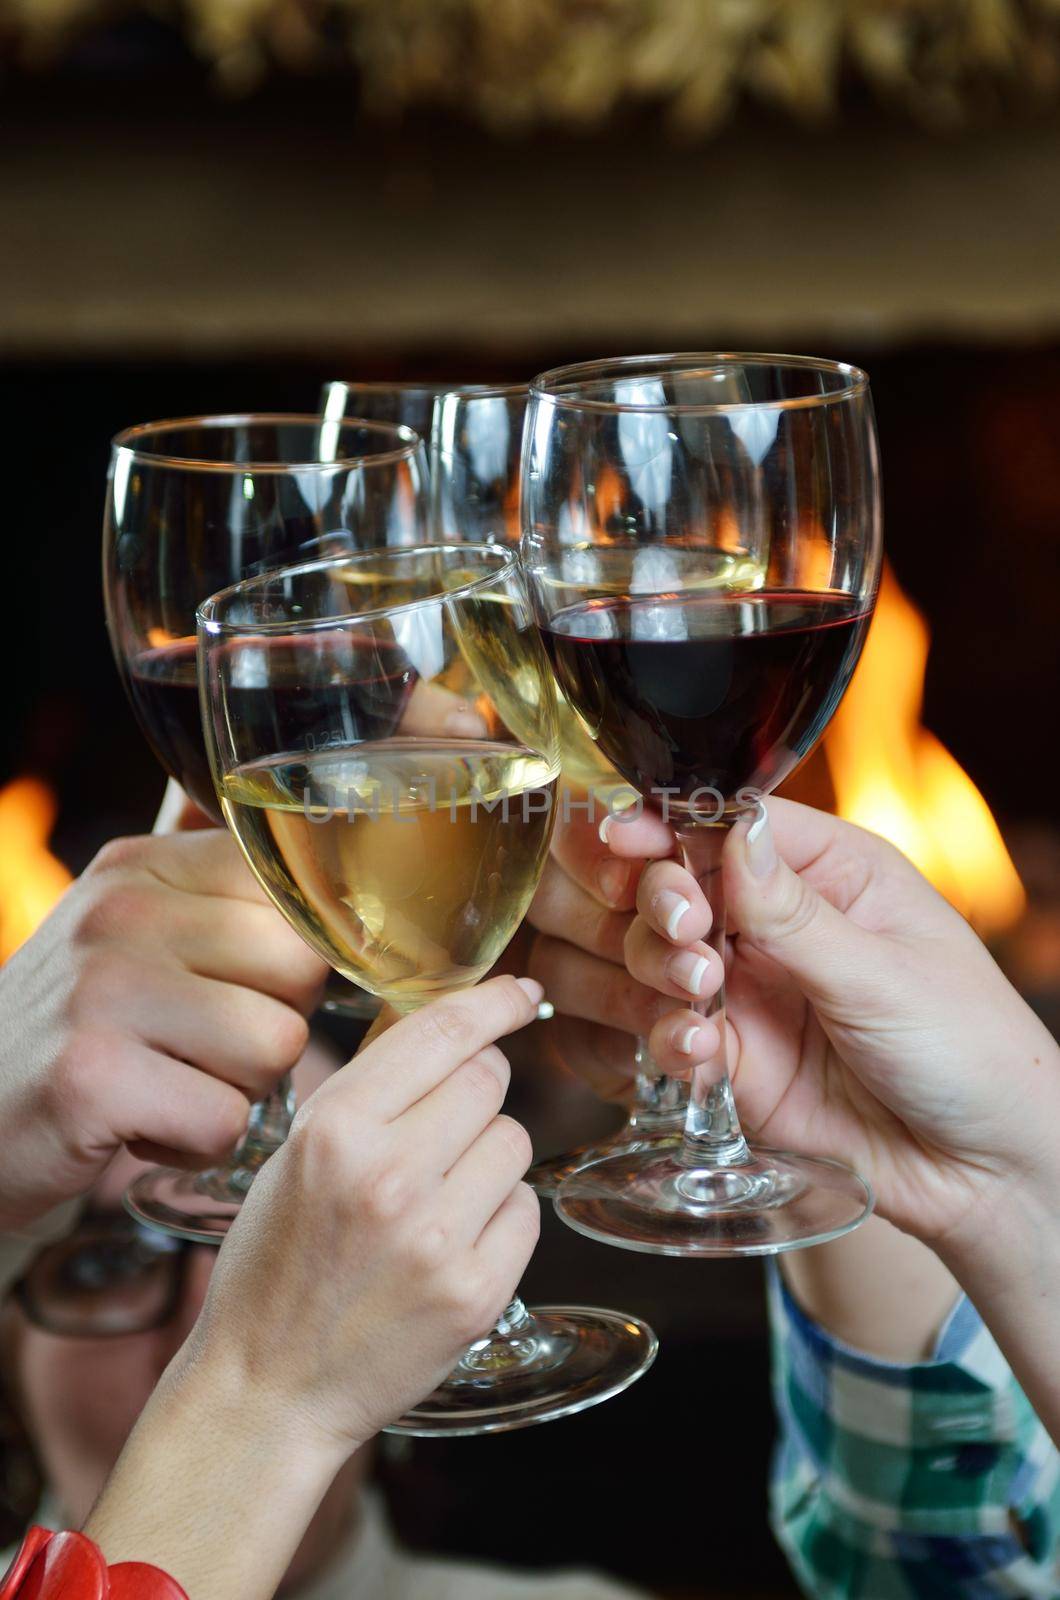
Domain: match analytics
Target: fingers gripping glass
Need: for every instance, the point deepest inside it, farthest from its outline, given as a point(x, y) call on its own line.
point(193, 505)
point(382, 731)
point(702, 542)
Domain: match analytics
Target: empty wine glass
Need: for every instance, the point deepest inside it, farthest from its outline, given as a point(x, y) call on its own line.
point(382, 730)
point(702, 541)
point(192, 505)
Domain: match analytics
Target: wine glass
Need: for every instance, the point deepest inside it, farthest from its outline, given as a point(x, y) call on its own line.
point(382, 730)
point(640, 476)
point(192, 505)
point(411, 404)
point(476, 458)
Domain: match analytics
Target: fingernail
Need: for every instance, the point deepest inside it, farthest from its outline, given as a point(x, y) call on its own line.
point(687, 970)
point(669, 908)
point(759, 846)
point(533, 990)
point(605, 823)
point(612, 878)
point(685, 1041)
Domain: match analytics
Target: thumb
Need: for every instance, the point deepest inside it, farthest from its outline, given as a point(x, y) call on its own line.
point(831, 959)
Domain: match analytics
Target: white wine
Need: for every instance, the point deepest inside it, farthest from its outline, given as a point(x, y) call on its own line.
point(407, 863)
point(496, 655)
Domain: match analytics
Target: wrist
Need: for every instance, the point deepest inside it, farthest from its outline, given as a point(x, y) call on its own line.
point(1007, 1239)
point(208, 1386)
point(217, 1483)
point(1006, 1195)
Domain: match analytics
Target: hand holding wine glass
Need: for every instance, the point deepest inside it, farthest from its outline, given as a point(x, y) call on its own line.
point(382, 732)
point(390, 1229)
point(160, 996)
point(866, 1020)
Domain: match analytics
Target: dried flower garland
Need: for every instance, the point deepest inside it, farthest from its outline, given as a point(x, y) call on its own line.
point(519, 63)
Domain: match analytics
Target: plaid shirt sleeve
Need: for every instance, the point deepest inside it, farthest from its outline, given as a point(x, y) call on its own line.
point(927, 1482)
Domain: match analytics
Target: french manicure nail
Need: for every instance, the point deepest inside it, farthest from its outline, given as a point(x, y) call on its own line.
point(687, 970)
point(669, 908)
point(533, 990)
point(685, 1041)
point(759, 846)
point(612, 878)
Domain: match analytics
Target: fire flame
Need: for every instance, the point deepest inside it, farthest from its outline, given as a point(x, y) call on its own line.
point(891, 775)
point(31, 878)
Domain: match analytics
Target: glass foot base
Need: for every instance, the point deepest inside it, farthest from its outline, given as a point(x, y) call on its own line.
point(200, 1206)
point(546, 1176)
point(648, 1199)
point(561, 1360)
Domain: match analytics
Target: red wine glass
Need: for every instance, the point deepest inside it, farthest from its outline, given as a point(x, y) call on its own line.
point(192, 506)
point(639, 477)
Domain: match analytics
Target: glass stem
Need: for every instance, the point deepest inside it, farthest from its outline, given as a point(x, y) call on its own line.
point(713, 1139)
point(508, 1345)
point(267, 1128)
point(659, 1102)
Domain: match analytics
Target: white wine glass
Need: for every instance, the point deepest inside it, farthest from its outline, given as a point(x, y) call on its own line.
point(382, 732)
point(476, 450)
point(403, 404)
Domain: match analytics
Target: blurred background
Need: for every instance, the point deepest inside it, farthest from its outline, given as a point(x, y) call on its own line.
point(219, 204)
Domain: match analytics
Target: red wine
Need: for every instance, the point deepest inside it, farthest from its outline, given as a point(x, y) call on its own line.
point(717, 691)
point(286, 710)
point(164, 690)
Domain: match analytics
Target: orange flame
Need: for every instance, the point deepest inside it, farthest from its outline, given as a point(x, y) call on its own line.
point(892, 776)
point(31, 878)
point(608, 498)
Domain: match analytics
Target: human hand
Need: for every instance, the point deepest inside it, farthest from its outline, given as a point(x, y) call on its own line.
point(388, 1232)
point(161, 996)
point(866, 1021)
point(579, 919)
